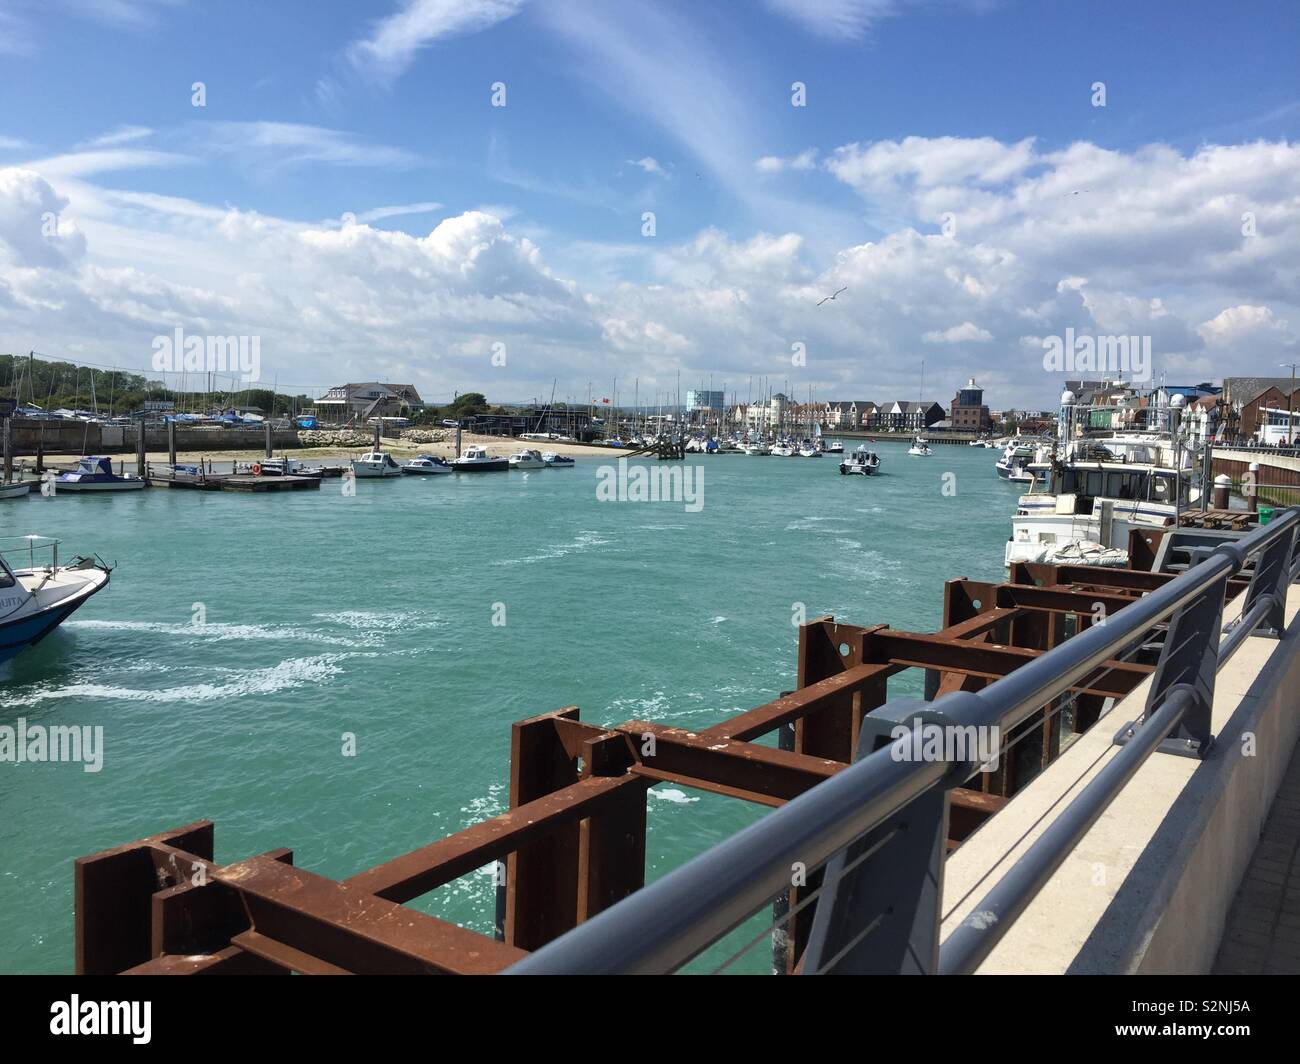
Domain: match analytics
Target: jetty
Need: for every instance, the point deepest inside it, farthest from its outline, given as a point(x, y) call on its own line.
point(1119, 699)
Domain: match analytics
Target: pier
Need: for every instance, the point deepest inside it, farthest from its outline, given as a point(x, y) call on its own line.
point(1100, 683)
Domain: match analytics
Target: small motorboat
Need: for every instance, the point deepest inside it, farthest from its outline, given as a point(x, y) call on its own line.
point(16, 490)
point(920, 448)
point(782, 450)
point(809, 451)
point(527, 459)
point(835, 447)
point(557, 461)
point(376, 464)
point(36, 598)
point(427, 465)
point(477, 460)
point(94, 473)
point(861, 462)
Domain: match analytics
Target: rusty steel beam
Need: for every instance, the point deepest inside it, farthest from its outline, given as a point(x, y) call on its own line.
point(1112, 678)
point(353, 930)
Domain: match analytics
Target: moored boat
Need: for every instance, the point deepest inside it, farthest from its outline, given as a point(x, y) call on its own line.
point(376, 464)
point(527, 459)
point(427, 465)
point(920, 448)
point(16, 490)
point(477, 460)
point(557, 461)
point(95, 473)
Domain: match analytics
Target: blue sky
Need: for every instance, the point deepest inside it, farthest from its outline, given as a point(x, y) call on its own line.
point(383, 110)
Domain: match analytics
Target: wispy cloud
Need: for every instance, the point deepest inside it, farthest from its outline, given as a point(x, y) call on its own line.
point(395, 41)
point(135, 14)
point(12, 144)
point(650, 165)
point(105, 160)
point(291, 143)
point(378, 214)
point(775, 164)
point(120, 135)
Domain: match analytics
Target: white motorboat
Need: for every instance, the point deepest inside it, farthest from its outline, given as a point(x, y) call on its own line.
point(861, 462)
point(557, 461)
point(16, 490)
point(782, 450)
point(809, 452)
point(755, 448)
point(376, 464)
point(1102, 490)
point(920, 448)
point(38, 596)
point(426, 465)
point(477, 460)
point(527, 459)
point(95, 473)
point(835, 447)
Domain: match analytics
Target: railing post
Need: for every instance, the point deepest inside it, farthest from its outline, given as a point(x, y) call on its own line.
point(1271, 577)
point(879, 908)
point(1189, 661)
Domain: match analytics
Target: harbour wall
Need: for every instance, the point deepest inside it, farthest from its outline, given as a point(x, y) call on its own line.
point(1148, 889)
point(1278, 476)
point(83, 437)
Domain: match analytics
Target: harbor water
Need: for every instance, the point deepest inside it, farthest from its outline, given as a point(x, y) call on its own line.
point(244, 637)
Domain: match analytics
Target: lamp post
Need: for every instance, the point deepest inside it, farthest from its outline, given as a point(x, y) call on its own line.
point(1290, 399)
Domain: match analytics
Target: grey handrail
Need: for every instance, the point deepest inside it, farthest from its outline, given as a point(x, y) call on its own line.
point(667, 923)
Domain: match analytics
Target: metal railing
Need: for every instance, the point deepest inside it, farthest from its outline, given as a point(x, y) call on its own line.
point(878, 829)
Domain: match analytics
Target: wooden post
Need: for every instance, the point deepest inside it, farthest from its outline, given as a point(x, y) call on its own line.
point(141, 463)
point(1252, 493)
point(270, 449)
point(379, 425)
point(171, 444)
point(9, 451)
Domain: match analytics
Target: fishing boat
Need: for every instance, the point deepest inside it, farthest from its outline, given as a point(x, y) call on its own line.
point(557, 461)
point(1098, 491)
point(861, 462)
point(95, 473)
point(477, 460)
point(920, 448)
point(36, 598)
point(15, 491)
point(376, 464)
point(426, 465)
point(527, 459)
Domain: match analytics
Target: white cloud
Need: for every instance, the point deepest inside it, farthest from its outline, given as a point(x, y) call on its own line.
point(774, 164)
point(1155, 249)
point(120, 135)
point(835, 18)
point(650, 165)
point(966, 332)
point(394, 41)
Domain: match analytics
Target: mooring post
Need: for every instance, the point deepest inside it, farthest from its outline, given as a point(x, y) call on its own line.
point(9, 452)
point(378, 429)
point(141, 465)
point(270, 447)
point(171, 443)
point(458, 440)
point(40, 453)
point(1252, 488)
point(541, 877)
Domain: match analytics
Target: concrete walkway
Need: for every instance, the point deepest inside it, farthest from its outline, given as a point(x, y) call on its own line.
point(1262, 936)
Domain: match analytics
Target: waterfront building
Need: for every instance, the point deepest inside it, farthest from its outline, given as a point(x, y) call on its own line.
point(351, 403)
point(705, 400)
point(968, 412)
point(906, 416)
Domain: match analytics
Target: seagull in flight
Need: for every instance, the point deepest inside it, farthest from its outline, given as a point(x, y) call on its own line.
point(825, 299)
point(1077, 191)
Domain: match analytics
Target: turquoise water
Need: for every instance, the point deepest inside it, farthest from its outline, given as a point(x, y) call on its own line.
point(373, 615)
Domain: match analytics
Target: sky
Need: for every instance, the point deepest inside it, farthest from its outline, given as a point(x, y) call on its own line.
point(516, 196)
